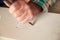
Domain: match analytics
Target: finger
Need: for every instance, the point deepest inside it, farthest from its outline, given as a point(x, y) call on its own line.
point(20, 18)
point(22, 12)
point(30, 14)
point(26, 20)
point(19, 12)
point(14, 7)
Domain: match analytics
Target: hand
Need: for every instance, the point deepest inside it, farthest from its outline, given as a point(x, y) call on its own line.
point(24, 12)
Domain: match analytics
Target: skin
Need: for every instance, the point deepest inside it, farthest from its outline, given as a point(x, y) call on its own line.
point(24, 12)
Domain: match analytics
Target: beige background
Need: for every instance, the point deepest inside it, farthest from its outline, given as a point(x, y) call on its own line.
point(47, 27)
